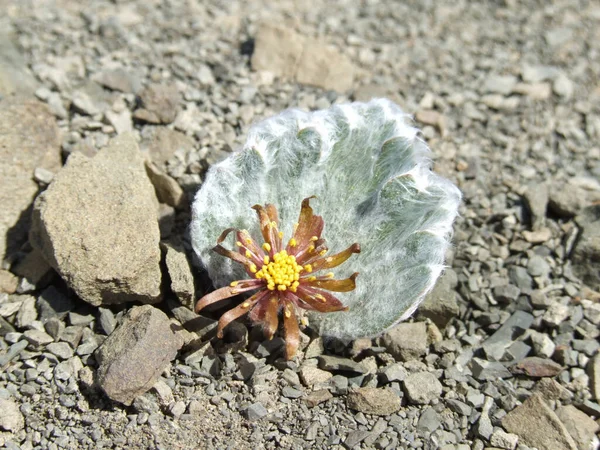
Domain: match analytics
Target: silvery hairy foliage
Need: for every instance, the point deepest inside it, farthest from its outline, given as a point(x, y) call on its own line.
point(371, 175)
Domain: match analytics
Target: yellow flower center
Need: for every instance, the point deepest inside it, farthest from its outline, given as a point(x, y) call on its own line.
point(282, 273)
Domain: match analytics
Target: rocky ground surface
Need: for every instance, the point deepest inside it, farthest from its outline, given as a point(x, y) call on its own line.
point(142, 97)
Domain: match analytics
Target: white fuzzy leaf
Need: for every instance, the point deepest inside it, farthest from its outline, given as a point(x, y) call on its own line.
point(371, 175)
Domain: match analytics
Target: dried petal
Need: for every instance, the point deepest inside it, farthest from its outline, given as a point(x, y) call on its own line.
point(292, 331)
point(238, 311)
point(226, 292)
point(318, 300)
point(344, 285)
point(335, 260)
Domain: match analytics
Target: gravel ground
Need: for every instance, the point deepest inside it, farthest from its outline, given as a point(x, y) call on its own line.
point(503, 354)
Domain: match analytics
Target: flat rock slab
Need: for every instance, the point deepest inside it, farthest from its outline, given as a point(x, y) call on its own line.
point(29, 138)
point(378, 401)
point(538, 426)
point(97, 225)
point(132, 358)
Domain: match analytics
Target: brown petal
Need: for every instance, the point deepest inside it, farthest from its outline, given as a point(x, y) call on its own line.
point(265, 314)
point(226, 292)
point(309, 225)
point(329, 262)
point(345, 285)
point(318, 300)
point(269, 232)
point(249, 243)
point(237, 257)
point(292, 331)
point(238, 311)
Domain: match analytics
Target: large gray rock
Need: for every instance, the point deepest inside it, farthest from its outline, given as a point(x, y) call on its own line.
point(97, 225)
point(586, 256)
point(29, 138)
point(289, 55)
point(132, 358)
point(538, 426)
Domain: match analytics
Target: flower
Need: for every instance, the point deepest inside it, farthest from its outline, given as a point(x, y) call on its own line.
point(284, 275)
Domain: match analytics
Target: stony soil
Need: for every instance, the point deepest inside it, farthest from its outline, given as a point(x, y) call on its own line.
point(503, 354)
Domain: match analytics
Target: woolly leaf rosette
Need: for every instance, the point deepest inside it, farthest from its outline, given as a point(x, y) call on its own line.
point(371, 175)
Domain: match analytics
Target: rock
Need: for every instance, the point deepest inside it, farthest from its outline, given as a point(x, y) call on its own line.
point(502, 439)
point(289, 55)
point(536, 199)
point(30, 127)
point(535, 91)
point(37, 338)
point(556, 314)
point(484, 427)
point(160, 104)
point(499, 84)
point(537, 237)
point(422, 387)
point(8, 282)
point(563, 86)
point(513, 327)
point(53, 303)
point(161, 143)
point(535, 74)
point(132, 358)
point(568, 199)
point(11, 418)
point(406, 341)
point(120, 121)
point(27, 312)
point(537, 266)
point(60, 349)
point(355, 437)
point(518, 275)
point(83, 104)
point(440, 306)
point(96, 224)
point(277, 50)
point(15, 78)
point(378, 401)
point(315, 398)
point(429, 421)
point(534, 366)
point(106, 320)
point(543, 345)
point(255, 411)
point(593, 369)
point(325, 67)
point(393, 372)
point(118, 80)
point(586, 255)
point(507, 293)
point(337, 363)
point(581, 427)
point(166, 188)
point(552, 390)
point(488, 370)
point(538, 426)
point(312, 375)
point(433, 118)
point(180, 274)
